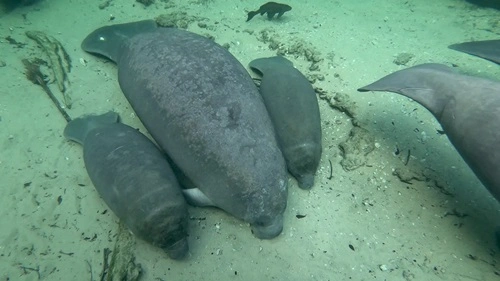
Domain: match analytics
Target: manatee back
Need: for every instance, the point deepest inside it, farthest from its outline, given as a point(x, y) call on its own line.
point(134, 179)
point(202, 107)
point(293, 107)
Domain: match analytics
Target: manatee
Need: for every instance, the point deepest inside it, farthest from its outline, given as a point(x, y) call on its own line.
point(488, 49)
point(134, 179)
point(467, 107)
point(291, 102)
point(203, 109)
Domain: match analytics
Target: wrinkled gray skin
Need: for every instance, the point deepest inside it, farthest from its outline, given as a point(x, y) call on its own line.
point(488, 49)
point(291, 102)
point(202, 107)
point(468, 109)
point(134, 179)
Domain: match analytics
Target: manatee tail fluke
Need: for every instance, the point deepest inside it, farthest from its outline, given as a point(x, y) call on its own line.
point(251, 15)
point(107, 40)
point(488, 49)
point(417, 83)
point(77, 129)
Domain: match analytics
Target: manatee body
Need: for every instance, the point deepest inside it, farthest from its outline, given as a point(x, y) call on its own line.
point(468, 109)
point(134, 179)
point(202, 107)
point(292, 105)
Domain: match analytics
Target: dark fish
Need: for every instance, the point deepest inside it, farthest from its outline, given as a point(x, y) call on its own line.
point(271, 8)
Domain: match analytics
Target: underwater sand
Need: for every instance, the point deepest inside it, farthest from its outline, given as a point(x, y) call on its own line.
point(434, 222)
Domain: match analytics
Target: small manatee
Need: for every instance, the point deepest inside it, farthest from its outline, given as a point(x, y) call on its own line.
point(134, 179)
point(292, 104)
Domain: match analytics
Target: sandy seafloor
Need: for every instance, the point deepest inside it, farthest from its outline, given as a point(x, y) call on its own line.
point(363, 224)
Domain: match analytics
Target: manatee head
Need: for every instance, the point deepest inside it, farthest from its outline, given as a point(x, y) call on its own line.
point(265, 214)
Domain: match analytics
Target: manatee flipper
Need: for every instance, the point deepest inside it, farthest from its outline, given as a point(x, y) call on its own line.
point(196, 197)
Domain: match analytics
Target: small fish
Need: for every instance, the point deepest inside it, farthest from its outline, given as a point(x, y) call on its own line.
point(271, 8)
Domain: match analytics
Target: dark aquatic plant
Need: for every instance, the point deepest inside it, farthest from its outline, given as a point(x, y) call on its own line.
point(35, 75)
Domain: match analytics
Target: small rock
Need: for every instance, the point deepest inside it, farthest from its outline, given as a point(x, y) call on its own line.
point(403, 58)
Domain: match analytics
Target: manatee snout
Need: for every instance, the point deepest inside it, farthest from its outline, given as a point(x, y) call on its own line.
point(304, 163)
point(268, 228)
point(178, 250)
point(305, 181)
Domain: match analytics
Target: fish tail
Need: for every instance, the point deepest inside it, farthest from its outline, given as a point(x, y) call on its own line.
point(251, 15)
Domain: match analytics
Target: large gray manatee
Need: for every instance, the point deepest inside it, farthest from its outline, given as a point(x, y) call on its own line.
point(202, 107)
point(467, 107)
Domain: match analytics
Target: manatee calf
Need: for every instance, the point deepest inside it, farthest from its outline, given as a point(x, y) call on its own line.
point(488, 49)
point(202, 107)
point(468, 109)
point(291, 102)
point(133, 177)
